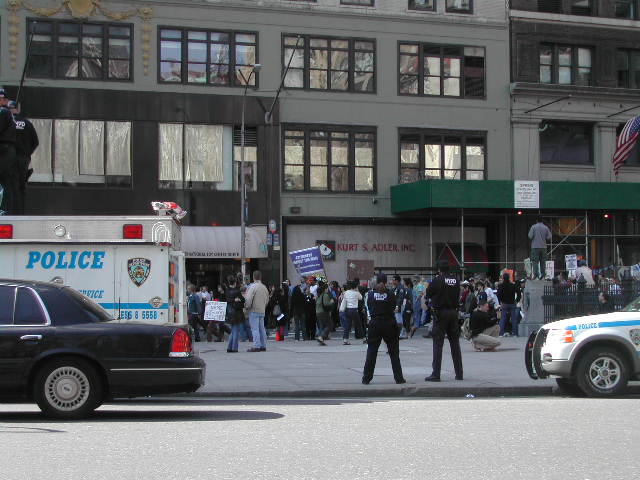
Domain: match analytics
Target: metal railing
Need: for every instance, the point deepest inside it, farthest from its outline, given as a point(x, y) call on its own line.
point(565, 301)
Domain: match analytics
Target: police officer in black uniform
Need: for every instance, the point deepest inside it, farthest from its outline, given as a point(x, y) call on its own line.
point(444, 292)
point(382, 303)
point(8, 161)
point(26, 144)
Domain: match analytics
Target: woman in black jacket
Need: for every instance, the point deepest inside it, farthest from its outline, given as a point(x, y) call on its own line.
point(278, 307)
point(235, 314)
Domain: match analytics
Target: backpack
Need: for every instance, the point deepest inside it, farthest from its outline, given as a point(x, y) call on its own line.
point(465, 330)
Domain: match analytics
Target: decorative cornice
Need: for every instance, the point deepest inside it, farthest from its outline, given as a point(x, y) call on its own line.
point(81, 10)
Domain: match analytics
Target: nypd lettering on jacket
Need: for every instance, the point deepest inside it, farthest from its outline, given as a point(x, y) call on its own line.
point(379, 297)
point(82, 260)
point(451, 281)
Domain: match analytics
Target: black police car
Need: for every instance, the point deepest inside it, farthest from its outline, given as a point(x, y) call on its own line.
point(67, 354)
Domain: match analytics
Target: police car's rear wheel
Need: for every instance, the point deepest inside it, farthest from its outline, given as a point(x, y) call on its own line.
point(602, 372)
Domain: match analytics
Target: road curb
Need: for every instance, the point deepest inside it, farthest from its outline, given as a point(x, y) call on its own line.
point(406, 391)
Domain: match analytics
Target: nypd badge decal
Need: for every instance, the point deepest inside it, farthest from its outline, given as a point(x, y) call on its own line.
point(139, 270)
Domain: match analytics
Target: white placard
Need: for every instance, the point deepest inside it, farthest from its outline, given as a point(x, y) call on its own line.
point(526, 194)
point(215, 311)
point(549, 270)
point(571, 262)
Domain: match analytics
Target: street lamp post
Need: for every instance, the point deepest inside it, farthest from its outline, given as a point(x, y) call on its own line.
point(243, 184)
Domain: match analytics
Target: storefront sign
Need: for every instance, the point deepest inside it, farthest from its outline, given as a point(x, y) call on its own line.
point(526, 194)
point(215, 311)
point(327, 249)
point(307, 261)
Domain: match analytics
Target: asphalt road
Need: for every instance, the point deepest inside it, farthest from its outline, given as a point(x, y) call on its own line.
point(516, 438)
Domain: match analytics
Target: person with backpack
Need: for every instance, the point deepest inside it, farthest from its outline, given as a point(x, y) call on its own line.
point(324, 305)
point(482, 328)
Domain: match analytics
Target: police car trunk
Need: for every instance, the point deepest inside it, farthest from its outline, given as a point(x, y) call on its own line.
point(131, 266)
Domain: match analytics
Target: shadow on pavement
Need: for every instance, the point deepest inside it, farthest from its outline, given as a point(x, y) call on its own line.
point(168, 415)
point(181, 400)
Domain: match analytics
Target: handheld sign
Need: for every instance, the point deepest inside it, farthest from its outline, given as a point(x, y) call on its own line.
point(215, 311)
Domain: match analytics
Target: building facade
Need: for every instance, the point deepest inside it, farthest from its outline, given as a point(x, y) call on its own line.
point(142, 101)
point(574, 83)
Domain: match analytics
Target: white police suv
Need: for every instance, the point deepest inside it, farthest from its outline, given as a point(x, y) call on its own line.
point(597, 354)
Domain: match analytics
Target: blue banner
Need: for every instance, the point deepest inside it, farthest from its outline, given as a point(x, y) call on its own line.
point(307, 261)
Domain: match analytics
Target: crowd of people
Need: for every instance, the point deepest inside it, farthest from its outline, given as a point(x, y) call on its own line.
point(313, 310)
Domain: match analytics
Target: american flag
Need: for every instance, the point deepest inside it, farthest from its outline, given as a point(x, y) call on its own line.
point(626, 141)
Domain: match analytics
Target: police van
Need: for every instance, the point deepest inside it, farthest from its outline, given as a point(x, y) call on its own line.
point(595, 355)
point(132, 266)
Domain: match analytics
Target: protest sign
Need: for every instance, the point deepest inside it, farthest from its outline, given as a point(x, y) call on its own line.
point(307, 261)
point(215, 311)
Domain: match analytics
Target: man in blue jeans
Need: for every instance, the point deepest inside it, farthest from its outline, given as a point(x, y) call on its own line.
point(507, 296)
point(256, 304)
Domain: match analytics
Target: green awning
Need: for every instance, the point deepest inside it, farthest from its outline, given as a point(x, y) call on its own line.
point(493, 194)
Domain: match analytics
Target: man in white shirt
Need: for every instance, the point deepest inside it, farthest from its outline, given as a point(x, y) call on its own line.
point(349, 306)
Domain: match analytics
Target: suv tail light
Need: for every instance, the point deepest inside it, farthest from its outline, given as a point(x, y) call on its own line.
point(132, 231)
point(180, 344)
point(6, 231)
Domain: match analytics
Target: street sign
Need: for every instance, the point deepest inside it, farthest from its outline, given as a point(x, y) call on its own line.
point(273, 226)
point(276, 240)
point(269, 239)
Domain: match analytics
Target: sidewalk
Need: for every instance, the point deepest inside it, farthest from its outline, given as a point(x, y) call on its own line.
point(295, 369)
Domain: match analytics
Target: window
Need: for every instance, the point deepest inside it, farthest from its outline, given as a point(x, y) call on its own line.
point(628, 9)
point(551, 6)
point(441, 154)
point(366, 3)
point(207, 57)
point(459, 6)
point(250, 157)
point(566, 143)
point(328, 63)
point(628, 63)
point(7, 297)
point(82, 152)
point(580, 7)
point(425, 5)
point(208, 157)
point(565, 65)
point(87, 51)
point(331, 159)
point(442, 70)
point(634, 156)
point(28, 310)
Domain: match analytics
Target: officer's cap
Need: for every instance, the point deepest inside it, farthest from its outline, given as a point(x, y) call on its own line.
point(2, 93)
point(381, 278)
point(12, 104)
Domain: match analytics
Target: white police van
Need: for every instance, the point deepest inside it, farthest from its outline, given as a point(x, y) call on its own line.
point(131, 266)
point(596, 355)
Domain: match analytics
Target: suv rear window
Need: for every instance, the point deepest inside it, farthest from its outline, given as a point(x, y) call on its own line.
point(68, 307)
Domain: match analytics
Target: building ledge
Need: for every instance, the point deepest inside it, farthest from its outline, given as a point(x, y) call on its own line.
point(545, 89)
